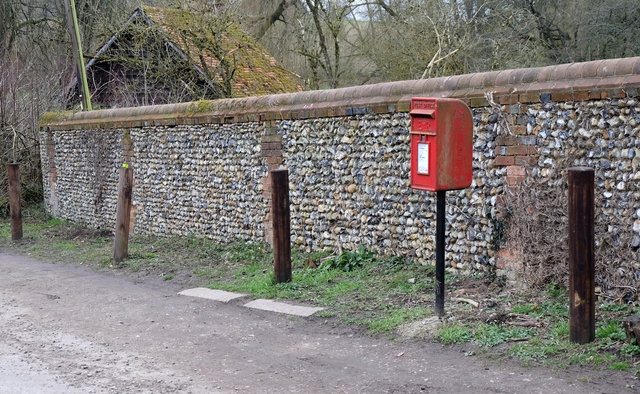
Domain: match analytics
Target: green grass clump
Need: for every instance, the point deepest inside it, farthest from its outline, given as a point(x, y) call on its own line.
point(611, 307)
point(490, 335)
point(455, 333)
point(610, 331)
point(537, 349)
point(620, 366)
point(395, 317)
point(483, 334)
point(591, 357)
point(556, 291)
point(5, 229)
point(560, 331)
point(525, 309)
point(630, 349)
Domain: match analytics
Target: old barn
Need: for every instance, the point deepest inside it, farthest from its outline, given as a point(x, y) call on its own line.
point(163, 55)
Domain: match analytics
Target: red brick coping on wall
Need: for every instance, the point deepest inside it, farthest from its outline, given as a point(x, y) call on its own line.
point(565, 82)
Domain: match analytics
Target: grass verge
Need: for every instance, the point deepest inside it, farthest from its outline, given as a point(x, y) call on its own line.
point(357, 288)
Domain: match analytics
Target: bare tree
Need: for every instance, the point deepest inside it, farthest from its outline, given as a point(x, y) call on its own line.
point(35, 70)
point(213, 32)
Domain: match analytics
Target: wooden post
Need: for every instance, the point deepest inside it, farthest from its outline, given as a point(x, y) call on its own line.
point(13, 173)
point(123, 214)
point(280, 217)
point(581, 255)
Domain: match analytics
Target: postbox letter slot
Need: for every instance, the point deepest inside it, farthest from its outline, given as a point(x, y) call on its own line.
point(427, 113)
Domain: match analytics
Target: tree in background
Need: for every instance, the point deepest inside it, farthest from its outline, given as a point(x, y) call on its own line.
point(334, 43)
point(319, 39)
point(36, 76)
point(213, 22)
point(28, 72)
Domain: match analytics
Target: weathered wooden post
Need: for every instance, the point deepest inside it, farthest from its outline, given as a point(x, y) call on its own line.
point(123, 214)
point(581, 255)
point(15, 211)
point(281, 225)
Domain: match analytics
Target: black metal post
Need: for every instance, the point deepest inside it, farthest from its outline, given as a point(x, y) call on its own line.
point(440, 231)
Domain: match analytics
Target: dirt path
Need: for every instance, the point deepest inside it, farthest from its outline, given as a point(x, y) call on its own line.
point(70, 329)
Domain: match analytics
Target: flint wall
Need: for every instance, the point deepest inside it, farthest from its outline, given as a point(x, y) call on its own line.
point(202, 168)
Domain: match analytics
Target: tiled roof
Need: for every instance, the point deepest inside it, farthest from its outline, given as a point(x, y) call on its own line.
point(595, 80)
point(256, 71)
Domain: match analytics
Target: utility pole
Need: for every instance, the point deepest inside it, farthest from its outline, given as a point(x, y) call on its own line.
point(76, 48)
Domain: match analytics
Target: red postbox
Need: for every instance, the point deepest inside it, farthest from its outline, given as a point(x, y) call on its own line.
point(441, 144)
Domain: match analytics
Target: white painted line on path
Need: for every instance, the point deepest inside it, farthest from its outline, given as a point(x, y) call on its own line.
point(281, 307)
point(211, 294)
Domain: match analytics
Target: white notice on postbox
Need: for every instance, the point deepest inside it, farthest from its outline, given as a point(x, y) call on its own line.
point(423, 158)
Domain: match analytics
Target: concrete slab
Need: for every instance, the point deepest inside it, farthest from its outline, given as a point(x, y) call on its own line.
point(211, 294)
point(281, 307)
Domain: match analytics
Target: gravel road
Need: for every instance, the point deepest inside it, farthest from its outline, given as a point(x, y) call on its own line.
point(68, 328)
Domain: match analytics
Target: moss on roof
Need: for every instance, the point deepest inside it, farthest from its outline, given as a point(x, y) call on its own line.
point(256, 71)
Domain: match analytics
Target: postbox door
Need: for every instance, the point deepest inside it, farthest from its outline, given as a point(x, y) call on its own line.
point(423, 161)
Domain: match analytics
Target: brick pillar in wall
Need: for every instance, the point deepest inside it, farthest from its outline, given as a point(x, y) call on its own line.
point(52, 172)
point(127, 146)
point(271, 152)
point(127, 150)
point(517, 152)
